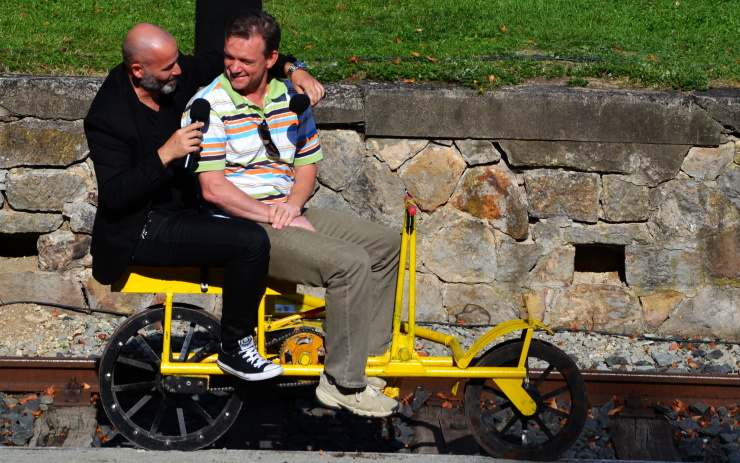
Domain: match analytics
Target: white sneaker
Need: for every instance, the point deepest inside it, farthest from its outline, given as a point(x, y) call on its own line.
point(368, 402)
point(247, 363)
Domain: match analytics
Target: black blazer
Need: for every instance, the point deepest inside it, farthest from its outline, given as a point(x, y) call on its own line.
point(123, 137)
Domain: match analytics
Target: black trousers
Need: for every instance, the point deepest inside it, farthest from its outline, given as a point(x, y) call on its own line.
point(192, 240)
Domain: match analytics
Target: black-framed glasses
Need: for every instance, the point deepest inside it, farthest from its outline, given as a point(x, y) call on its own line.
point(264, 131)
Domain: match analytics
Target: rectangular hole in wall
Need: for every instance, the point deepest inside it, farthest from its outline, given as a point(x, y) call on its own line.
point(602, 261)
point(18, 244)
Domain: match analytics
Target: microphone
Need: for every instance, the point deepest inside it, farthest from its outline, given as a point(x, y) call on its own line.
point(199, 111)
point(299, 103)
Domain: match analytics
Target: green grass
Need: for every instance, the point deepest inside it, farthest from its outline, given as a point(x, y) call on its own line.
point(683, 45)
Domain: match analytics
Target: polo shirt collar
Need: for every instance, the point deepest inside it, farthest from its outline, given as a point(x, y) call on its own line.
point(275, 90)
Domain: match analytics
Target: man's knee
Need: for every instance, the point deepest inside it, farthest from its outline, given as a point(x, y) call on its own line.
point(251, 240)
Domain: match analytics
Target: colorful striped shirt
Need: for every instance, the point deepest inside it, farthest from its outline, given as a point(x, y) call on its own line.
point(232, 142)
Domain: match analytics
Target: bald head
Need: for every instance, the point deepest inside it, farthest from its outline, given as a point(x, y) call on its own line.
point(144, 41)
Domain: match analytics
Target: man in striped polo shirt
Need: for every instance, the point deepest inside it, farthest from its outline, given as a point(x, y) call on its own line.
point(258, 162)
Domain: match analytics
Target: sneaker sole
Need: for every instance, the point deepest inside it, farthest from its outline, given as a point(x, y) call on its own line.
point(331, 403)
point(252, 376)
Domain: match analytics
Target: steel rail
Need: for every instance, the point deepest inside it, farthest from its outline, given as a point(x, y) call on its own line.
point(75, 379)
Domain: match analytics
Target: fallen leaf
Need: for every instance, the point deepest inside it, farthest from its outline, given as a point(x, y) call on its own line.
point(353, 59)
point(674, 347)
point(308, 47)
point(652, 57)
point(678, 406)
point(446, 405)
point(616, 410)
point(503, 28)
point(54, 313)
point(433, 60)
point(86, 386)
point(409, 81)
point(397, 61)
point(398, 40)
point(415, 54)
point(49, 391)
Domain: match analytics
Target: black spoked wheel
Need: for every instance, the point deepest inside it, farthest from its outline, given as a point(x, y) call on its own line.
point(166, 413)
point(555, 384)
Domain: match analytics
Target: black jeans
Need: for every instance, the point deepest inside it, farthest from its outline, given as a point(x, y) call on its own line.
point(191, 240)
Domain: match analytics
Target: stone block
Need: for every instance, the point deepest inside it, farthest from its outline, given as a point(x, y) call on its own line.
point(431, 176)
point(658, 306)
point(81, 216)
point(555, 269)
point(623, 201)
point(12, 222)
point(707, 163)
point(45, 190)
point(729, 184)
point(394, 151)
point(429, 299)
point(538, 113)
point(688, 208)
point(514, 261)
point(41, 286)
point(102, 298)
point(465, 252)
point(35, 142)
point(345, 152)
point(722, 104)
point(376, 194)
point(596, 307)
point(463, 301)
point(492, 193)
point(713, 313)
point(570, 194)
point(649, 164)
point(343, 104)
point(722, 259)
point(48, 97)
point(653, 268)
point(62, 250)
point(477, 152)
point(325, 198)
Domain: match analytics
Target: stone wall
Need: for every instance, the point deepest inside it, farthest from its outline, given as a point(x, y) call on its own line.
point(604, 209)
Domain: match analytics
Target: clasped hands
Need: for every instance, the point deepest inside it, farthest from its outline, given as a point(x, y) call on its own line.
point(287, 215)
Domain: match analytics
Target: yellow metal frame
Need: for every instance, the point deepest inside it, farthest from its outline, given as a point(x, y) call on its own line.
point(401, 360)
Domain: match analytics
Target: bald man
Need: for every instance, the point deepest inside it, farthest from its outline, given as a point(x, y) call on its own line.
point(147, 200)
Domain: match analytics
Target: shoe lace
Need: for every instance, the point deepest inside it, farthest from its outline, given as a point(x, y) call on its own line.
point(250, 354)
point(371, 391)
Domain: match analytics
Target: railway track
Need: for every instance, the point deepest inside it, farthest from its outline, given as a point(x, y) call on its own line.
point(75, 379)
point(75, 382)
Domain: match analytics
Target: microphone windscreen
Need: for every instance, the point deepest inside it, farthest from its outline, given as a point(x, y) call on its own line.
point(199, 110)
point(299, 103)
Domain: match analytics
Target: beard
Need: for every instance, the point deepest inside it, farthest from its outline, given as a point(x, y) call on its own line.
point(149, 82)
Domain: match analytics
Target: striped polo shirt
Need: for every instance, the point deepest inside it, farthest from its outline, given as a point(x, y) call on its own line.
point(232, 143)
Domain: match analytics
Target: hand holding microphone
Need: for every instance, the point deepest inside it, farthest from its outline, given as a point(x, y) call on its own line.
point(199, 111)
